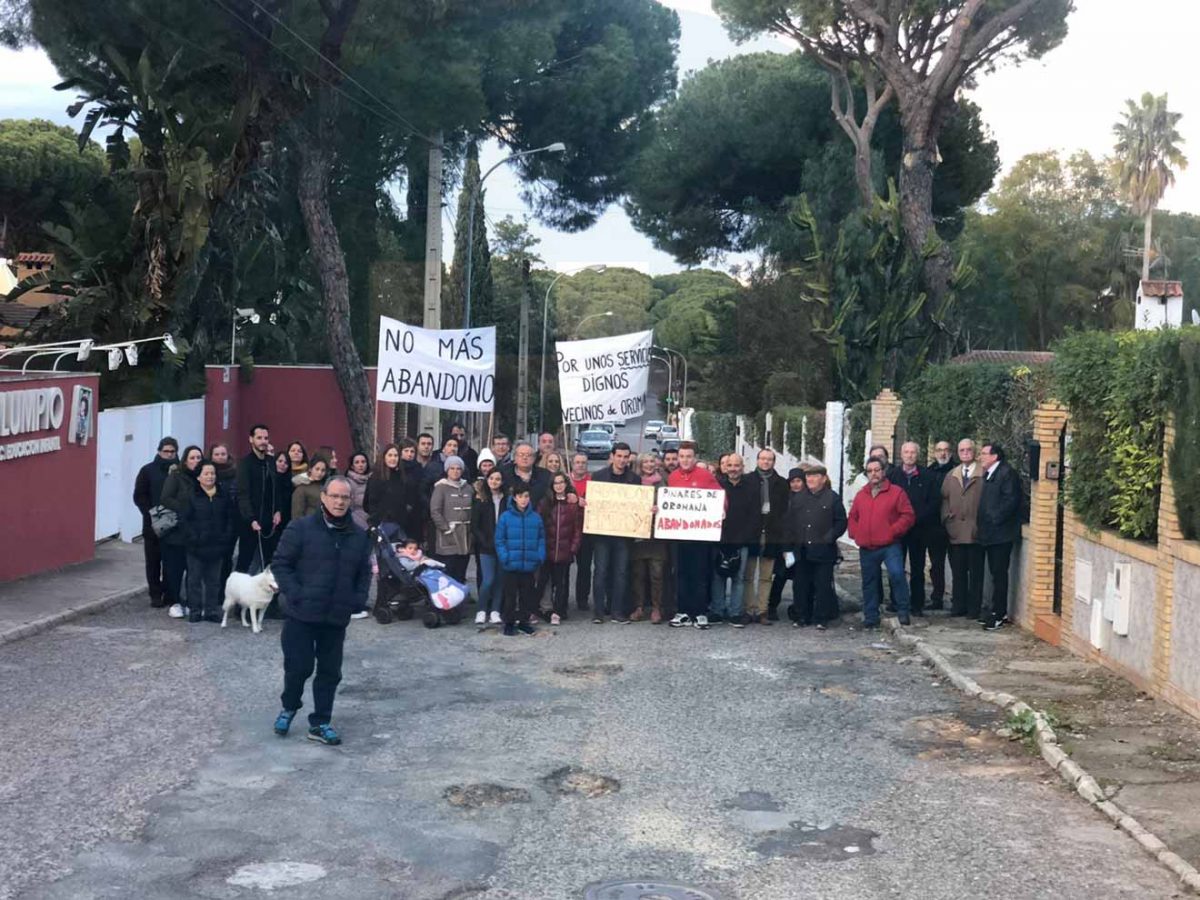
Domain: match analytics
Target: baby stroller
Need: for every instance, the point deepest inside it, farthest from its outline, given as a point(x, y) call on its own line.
point(400, 591)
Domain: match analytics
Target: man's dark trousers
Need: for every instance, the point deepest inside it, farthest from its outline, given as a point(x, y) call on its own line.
point(154, 567)
point(610, 580)
point(998, 559)
point(937, 543)
point(694, 577)
point(966, 568)
point(306, 643)
point(914, 551)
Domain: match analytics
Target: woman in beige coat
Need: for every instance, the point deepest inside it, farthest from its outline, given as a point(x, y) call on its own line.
point(450, 509)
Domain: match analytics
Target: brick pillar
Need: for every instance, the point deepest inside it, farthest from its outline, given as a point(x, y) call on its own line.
point(1037, 612)
point(1169, 534)
point(885, 412)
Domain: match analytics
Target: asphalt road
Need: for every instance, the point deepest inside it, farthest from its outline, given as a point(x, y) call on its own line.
point(766, 763)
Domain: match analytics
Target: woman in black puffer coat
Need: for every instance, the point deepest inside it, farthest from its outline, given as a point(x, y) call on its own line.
point(207, 526)
point(176, 496)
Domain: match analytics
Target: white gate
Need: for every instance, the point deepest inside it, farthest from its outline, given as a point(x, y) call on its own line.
point(126, 439)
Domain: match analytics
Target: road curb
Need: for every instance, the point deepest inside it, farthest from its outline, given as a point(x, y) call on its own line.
point(1058, 760)
point(45, 623)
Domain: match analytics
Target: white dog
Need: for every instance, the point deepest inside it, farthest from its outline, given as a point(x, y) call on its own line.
point(253, 593)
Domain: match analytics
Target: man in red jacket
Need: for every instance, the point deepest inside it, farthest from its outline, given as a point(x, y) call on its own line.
point(879, 518)
point(694, 558)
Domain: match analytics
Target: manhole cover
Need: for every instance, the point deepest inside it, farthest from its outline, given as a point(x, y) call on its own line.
point(645, 889)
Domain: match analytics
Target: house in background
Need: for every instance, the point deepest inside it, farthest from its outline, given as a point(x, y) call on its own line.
point(33, 309)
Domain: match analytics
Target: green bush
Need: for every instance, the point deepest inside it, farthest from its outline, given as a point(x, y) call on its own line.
point(714, 433)
point(1119, 389)
point(794, 418)
point(982, 401)
point(858, 421)
point(1185, 455)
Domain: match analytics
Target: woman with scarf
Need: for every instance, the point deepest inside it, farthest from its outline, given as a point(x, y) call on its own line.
point(306, 497)
point(358, 473)
point(297, 461)
point(648, 559)
point(450, 509)
point(490, 502)
point(176, 496)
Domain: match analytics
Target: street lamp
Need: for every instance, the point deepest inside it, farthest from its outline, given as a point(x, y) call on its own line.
point(599, 267)
point(245, 315)
point(556, 147)
point(575, 332)
point(670, 378)
point(685, 374)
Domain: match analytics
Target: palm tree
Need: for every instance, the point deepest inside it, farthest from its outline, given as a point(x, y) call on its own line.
point(1147, 153)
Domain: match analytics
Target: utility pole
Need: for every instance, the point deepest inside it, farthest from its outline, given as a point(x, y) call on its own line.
point(433, 264)
point(522, 425)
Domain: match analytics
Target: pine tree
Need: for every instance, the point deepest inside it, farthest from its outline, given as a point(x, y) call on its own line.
point(483, 301)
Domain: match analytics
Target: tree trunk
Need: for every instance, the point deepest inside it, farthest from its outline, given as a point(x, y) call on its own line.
point(916, 212)
point(315, 167)
point(1146, 226)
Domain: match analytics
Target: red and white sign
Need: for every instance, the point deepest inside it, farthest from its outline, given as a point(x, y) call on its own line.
point(689, 514)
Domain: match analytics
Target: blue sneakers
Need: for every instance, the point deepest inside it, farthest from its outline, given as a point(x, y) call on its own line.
point(283, 721)
point(324, 734)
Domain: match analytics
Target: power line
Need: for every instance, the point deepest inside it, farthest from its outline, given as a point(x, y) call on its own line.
point(387, 106)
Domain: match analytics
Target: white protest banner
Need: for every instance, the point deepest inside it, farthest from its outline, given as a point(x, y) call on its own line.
point(447, 369)
point(604, 379)
point(689, 514)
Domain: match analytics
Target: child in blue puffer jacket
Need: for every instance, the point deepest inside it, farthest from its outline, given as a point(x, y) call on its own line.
point(521, 549)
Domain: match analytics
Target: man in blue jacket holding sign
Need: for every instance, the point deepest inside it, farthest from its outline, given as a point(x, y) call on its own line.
point(323, 570)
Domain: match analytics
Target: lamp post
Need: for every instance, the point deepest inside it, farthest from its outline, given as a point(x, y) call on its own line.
point(556, 147)
point(670, 378)
point(575, 331)
point(599, 267)
point(685, 373)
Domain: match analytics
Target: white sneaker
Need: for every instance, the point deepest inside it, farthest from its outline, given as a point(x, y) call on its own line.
point(481, 618)
point(701, 622)
point(681, 620)
point(555, 620)
point(494, 619)
point(359, 615)
point(176, 611)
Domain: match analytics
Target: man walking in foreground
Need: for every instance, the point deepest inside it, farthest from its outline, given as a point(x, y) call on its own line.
point(879, 518)
point(323, 570)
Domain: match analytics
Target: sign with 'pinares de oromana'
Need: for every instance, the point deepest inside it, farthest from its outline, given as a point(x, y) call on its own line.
point(452, 368)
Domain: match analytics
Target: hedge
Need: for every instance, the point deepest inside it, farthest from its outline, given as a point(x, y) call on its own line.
point(1120, 389)
point(1185, 455)
point(985, 402)
point(714, 433)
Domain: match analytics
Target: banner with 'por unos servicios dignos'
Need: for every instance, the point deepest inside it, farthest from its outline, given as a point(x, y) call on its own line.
point(604, 379)
point(450, 368)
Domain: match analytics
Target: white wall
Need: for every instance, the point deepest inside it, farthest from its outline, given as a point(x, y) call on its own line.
point(126, 439)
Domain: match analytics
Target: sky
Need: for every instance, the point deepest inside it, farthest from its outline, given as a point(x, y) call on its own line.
point(1068, 101)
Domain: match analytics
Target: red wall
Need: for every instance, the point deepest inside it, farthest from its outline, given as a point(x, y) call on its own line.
point(49, 500)
point(300, 403)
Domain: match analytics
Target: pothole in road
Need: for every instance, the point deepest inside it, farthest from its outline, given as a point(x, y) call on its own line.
point(833, 843)
point(269, 876)
point(574, 780)
point(644, 889)
point(478, 796)
point(753, 801)
point(590, 670)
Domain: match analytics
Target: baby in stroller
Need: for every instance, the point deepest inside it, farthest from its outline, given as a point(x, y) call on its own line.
point(407, 577)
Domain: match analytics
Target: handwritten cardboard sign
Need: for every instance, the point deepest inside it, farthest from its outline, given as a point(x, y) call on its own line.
point(688, 514)
point(618, 510)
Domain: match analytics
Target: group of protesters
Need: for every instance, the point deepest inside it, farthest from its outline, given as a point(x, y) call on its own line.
point(518, 511)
